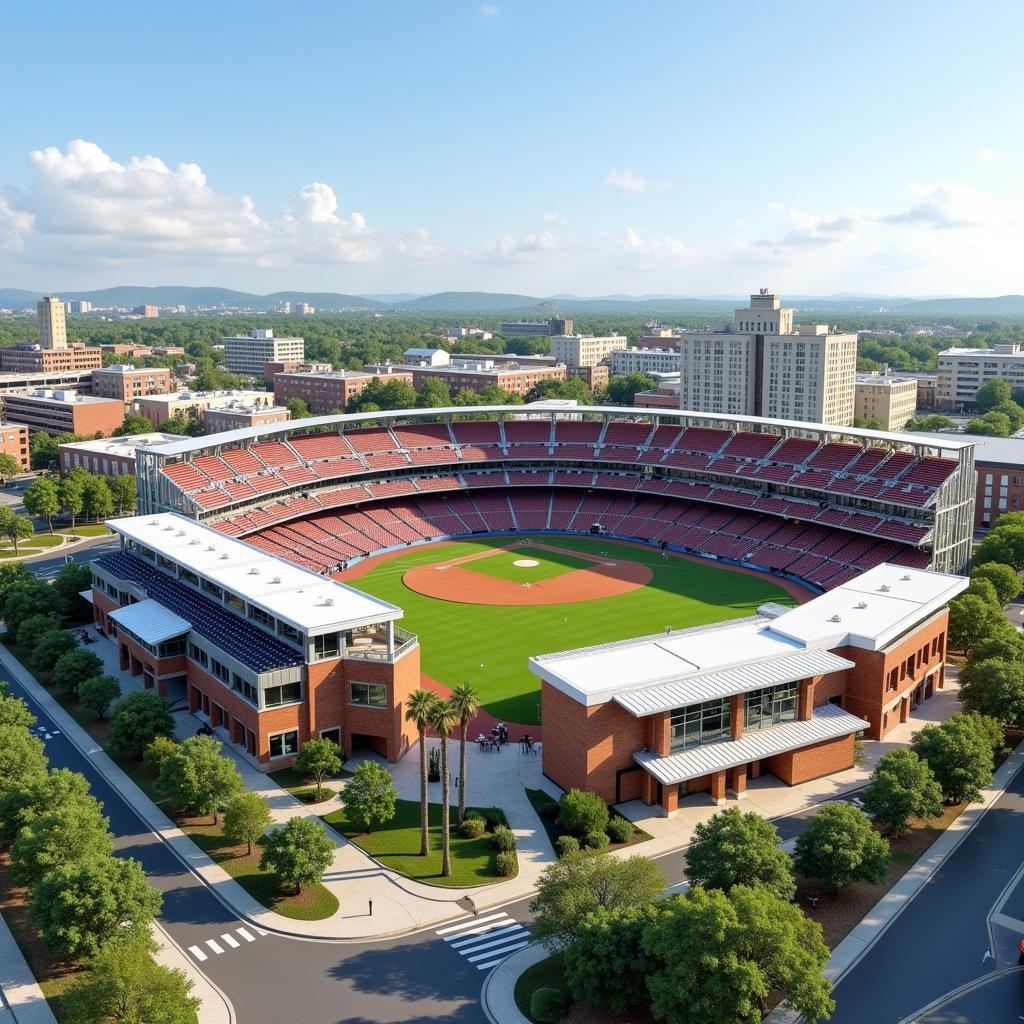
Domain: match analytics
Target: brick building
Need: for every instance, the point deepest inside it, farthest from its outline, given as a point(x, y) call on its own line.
point(160, 408)
point(111, 456)
point(242, 414)
point(476, 375)
point(784, 692)
point(268, 654)
point(324, 391)
point(33, 359)
point(64, 412)
point(14, 442)
point(126, 382)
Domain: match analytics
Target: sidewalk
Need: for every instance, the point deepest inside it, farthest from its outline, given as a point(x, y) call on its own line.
point(21, 999)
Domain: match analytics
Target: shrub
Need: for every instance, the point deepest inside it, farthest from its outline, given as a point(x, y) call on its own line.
point(566, 846)
point(34, 627)
point(493, 820)
point(596, 840)
point(547, 1005)
point(582, 812)
point(472, 828)
point(505, 863)
point(620, 830)
point(504, 839)
point(550, 810)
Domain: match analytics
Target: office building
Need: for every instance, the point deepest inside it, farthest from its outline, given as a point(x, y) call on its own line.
point(268, 654)
point(53, 331)
point(427, 356)
point(303, 309)
point(762, 364)
point(645, 360)
point(191, 404)
point(110, 456)
point(784, 692)
point(534, 329)
point(658, 336)
point(249, 353)
point(126, 382)
point(235, 415)
point(325, 391)
point(477, 374)
point(14, 442)
point(963, 371)
point(585, 349)
point(34, 359)
point(63, 412)
point(81, 306)
point(147, 312)
point(887, 397)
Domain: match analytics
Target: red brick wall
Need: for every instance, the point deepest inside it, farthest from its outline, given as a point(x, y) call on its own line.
point(812, 762)
point(89, 417)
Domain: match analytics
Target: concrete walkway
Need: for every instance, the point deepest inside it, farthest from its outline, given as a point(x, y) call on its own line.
point(21, 999)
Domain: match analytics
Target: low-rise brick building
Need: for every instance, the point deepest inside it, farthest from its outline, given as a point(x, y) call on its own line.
point(111, 456)
point(63, 412)
point(325, 391)
point(126, 382)
point(236, 415)
point(14, 442)
point(33, 359)
point(784, 692)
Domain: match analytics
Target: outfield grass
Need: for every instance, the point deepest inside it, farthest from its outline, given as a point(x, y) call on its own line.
point(550, 564)
point(397, 845)
point(488, 645)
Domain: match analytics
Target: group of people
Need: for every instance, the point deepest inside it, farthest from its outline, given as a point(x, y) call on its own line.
point(497, 739)
point(526, 744)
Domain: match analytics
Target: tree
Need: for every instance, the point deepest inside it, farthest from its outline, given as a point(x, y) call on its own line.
point(369, 797)
point(1004, 578)
point(606, 957)
point(246, 818)
point(43, 450)
point(433, 394)
point(34, 628)
point(62, 835)
point(71, 494)
point(10, 467)
point(417, 709)
point(36, 795)
point(582, 812)
point(50, 648)
point(198, 778)
point(716, 957)
point(992, 424)
point(75, 667)
point(733, 848)
point(124, 491)
point(125, 985)
point(13, 710)
point(622, 390)
point(839, 847)
point(984, 589)
point(32, 597)
point(971, 619)
point(81, 906)
point(136, 720)
point(930, 424)
point(902, 787)
point(97, 501)
point(157, 751)
point(13, 574)
point(133, 424)
point(443, 717)
point(1012, 411)
point(1006, 643)
point(994, 687)
point(317, 759)
point(21, 757)
point(466, 703)
point(991, 394)
point(15, 527)
point(298, 408)
point(1004, 544)
point(990, 729)
point(570, 889)
point(959, 756)
point(41, 500)
point(97, 693)
point(68, 586)
point(300, 851)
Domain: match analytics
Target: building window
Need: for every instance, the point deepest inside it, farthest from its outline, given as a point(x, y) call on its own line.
point(369, 695)
point(247, 690)
point(284, 743)
point(259, 615)
point(700, 723)
point(326, 646)
point(275, 696)
point(770, 706)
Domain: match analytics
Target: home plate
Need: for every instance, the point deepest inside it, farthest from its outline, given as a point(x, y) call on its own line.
point(526, 563)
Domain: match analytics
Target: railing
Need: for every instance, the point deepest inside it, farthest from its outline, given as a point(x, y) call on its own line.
point(404, 641)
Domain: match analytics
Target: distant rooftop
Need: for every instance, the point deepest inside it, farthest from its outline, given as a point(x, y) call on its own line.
point(123, 445)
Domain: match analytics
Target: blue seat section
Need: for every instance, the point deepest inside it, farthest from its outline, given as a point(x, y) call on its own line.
point(252, 646)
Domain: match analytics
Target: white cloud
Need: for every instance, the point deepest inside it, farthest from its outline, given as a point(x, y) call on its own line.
point(650, 253)
point(489, 10)
point(419, 246)
point(626, 180)
point(950, 204)
point(14, 226)
point(988, 155)
point(526, 248)
point(555, 218)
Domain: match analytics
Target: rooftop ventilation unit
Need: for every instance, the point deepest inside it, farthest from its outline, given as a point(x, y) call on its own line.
point(254, 571)
point(836, 618)
point(329, 601)
point(906, 578)
point(862, 604)
point(885, 588)
point(223, 557)
point(180, 533)
point(276, 579)
point(210, 547)
point(194, 541)
point(154, 522)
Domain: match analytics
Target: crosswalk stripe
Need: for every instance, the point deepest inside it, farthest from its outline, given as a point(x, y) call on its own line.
point(504, 951)
point(260, 930)
point(231, 940)
point(471, 922)
point(246, 935)
point(197, 953)
point(475, 939)
point(494, 963)
point(212, 943)
point(513, 937)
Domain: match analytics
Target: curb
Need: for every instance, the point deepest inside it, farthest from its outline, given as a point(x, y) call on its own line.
point(21, 999)
point(497, 996)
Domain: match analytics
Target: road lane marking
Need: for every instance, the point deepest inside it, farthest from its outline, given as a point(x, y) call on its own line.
point(485, 941)
point(468, 923)
point(231, 940)
point(212, 943)
point(246, 935)
point(494, 963)
point(475, 939)
point(198, 953)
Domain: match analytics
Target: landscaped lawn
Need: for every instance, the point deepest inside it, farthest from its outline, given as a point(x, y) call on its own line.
point(86, 530)
point(30, 546)
point(397, 845)
point(296, 784)
point(681, 593)
point(549, 565)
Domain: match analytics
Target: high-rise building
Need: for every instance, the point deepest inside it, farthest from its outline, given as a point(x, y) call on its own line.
point(303, 309)
point(645, 360)
point(962, 371)
point(53, 331)
point(533, 328)
point(250, 353)
point(762, 364)
point(148, 312)
point(81, 306)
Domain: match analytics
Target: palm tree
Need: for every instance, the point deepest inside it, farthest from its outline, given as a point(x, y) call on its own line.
point(466, 702)
point(417, 709)
point(443, 717)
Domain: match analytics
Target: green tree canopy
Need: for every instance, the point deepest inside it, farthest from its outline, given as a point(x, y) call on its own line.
point(50, 648)
point(97, 501)
point(13, 710)
point(1005, 544)
point(369, 797)
point(133, 424)
point(124, 492)
point(74, 667)
point(300, 851)
point(839, 847)
point(136, 720)
point(971, 620)
point(15, 528)
point(246, 818)
point(198, 778)
point(991, 394)
point(433, 394)
point(42, 500)
point(25, 598)
point(57, 787)
point(10, 467)
point(733, 848)
point(1004, 578)
point(62, 835)
point(902, 787)
point(622, 390)
point(959, 756)
point(68, 585)
point(317, 760)
point(994, 687)
point(71, 493)
point(81, 906)
point(33, 628)
point(97, 693)
point(21, 757)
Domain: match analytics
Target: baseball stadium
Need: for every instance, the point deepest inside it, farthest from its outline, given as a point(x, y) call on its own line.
point(502, 535)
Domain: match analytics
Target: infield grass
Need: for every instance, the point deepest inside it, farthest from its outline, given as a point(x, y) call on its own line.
point(488, 645)
point(502, 564)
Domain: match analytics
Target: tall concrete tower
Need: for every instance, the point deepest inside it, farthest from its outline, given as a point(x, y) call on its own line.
point(53, 332)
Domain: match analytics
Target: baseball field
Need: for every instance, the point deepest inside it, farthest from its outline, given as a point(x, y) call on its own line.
point(481, 608)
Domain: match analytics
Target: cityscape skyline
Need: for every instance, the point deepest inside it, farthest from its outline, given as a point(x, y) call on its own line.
point(448, 151)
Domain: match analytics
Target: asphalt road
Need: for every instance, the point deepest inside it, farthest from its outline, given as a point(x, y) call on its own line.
point(47, 566)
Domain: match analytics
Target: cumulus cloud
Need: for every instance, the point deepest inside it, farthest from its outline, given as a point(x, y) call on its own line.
point(526, 248)
point(14, 226)
point(647, 253)
point(950, 204)
point(626, 180)
point(554, 218)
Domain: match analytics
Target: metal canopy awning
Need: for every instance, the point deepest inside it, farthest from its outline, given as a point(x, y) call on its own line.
point(150, 621)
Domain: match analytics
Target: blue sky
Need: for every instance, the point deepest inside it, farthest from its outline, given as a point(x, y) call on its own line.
point(551, 147)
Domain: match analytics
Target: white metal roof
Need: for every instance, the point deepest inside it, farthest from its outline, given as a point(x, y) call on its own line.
point(150, 621)
point(707, 685)
point(827, 723)
point(304, 599)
